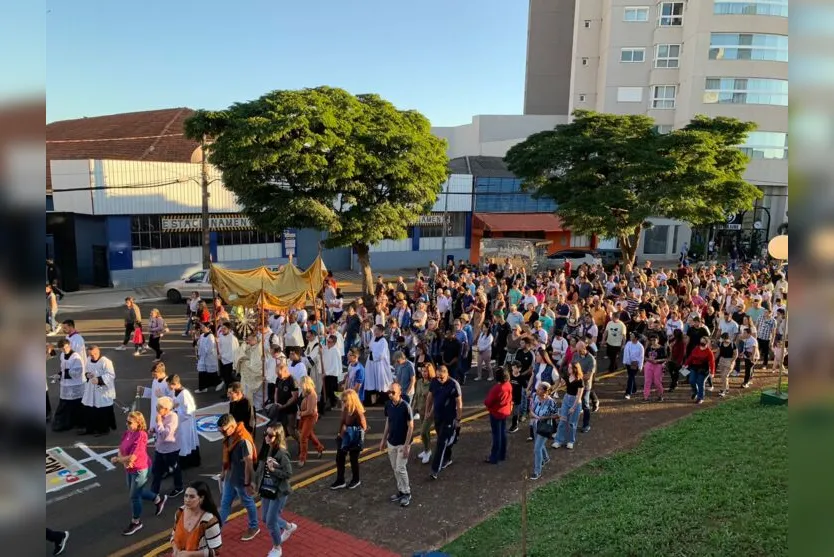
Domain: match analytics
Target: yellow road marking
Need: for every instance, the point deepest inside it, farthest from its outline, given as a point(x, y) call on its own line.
point(302, 484)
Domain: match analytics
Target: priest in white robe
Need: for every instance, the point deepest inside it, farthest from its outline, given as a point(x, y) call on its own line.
point(251, 369)
point(378, 376)
point(186, 434)
point(99, 393)
point(70, 412)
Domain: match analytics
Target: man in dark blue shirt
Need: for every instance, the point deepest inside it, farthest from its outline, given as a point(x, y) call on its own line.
point(445, 403)
point(396, 439)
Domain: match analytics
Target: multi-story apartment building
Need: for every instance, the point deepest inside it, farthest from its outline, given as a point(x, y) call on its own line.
point(670, 60)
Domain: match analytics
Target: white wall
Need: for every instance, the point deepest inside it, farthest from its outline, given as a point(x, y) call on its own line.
point(452, 242)
point(391, 245)
point(166, 257)
point(493, 135)
point(67, 175)
point(248, 251)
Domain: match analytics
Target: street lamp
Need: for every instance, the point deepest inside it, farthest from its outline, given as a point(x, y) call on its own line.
point(778, 249)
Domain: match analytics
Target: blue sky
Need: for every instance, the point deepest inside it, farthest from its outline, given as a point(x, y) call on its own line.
point(449, 59)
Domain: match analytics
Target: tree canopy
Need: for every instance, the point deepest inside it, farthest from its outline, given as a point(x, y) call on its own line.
point(609, 173)
point(351, 165)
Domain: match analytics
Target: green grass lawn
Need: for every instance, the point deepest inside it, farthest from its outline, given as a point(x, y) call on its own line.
point(714, 483)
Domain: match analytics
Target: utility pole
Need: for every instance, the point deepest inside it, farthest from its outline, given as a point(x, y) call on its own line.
point(205, 213)
point(445, 217)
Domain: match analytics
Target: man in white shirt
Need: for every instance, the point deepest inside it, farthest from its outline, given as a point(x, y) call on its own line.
point(613, 339)
point(297, 368)
point(227, 346)
point(727, 325)
point(332, 361)
point(276, 322)
point(633, 356)
point(559, 347)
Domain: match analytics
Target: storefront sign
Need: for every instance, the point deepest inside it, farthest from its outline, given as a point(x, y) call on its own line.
point(62, 470)
point(289, 242)
point(216, 222)
point(431, 220)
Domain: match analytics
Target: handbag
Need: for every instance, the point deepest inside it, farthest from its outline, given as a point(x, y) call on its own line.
point(268, 489)
point(544, 428)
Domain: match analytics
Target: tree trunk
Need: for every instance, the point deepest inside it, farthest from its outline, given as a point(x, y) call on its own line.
point(364, 256)
point(629, 244)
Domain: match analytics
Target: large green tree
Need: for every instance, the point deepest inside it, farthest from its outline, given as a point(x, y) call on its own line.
point(355, 167)
point(609, 173)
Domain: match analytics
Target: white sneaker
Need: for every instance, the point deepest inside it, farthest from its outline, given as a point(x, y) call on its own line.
point(427, 457)
point(121, 348)
point(220, 387)
point(288, 531)
point(421, 455)
point(569, 445)
point(477, 379)
point(555, 396)
point(275, 552)
point(556, 445)
point(417, 416)
point(711, 388)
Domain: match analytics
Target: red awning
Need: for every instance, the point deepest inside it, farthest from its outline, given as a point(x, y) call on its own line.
point(518, 222)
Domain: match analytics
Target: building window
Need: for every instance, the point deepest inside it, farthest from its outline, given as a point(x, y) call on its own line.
point(629, 94)
point(582, 98)
point(748, 46)
point(663, 129)
point(577, 241)
point(733, 90)
point(636, 14)
point(656, 240)
point(504, 195)
point(632, 55)
point(663, 96)
point(667, 56)
point(671, 14)
point(752, 7)
point(146, 233)
point(675, 237)
point(455, 228)
point(584, 61)
point(766, 145)
point(587, 24)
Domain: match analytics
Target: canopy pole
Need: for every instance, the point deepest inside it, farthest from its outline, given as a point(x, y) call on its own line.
point(263, 344)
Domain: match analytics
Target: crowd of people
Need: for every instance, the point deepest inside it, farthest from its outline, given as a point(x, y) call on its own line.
point(539, 336)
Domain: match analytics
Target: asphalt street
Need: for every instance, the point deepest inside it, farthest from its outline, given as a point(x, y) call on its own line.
point(96, 510)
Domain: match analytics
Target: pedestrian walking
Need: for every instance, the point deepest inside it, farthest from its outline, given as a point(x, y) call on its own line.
point(58, 539)
point(237, 475)
point(207, 360)
point(542, 412)
point(570, 409)
point(445, 405)
point(99, 393)
point(633, 359)
point(396, 439)
point(131, 314)
point(656, 356)
point(156, 329)
point(158, 389)
point(309, 414)
point(499, 403)
point(133, 455)
point(167, 455)
point(350, 440)
point(421, 392)
point(70, 412)
point(274, 486)
point(52, 311)
point(187, 436)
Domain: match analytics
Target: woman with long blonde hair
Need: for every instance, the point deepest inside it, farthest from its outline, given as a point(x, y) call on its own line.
point(350, 440)
point(309, 416)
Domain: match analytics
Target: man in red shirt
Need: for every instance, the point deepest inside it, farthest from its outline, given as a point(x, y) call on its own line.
point(499, 402)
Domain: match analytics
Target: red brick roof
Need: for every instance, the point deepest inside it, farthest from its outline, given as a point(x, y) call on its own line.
point(152, 135)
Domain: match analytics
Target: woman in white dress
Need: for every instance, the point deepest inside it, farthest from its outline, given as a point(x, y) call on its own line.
point(378, 376)
point(99, 393)
point(187, 436)
point(70, 413)
point(207, 364)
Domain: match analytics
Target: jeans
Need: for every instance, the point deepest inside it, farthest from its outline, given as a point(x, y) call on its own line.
point(566, 430)
point(230, 492)
point(136, 482)
point(51, 319)
point(161, 463)
point(188, 322)
point(631, 383)
point(586, 406)
point(697, 380)
point(399, 463)
point(271, 511)
point(499, 439)
point(539, 453)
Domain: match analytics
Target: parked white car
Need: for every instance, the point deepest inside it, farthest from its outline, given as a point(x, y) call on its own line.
point(576, 257)
point(178, 290)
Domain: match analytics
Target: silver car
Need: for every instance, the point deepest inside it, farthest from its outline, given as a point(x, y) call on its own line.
point(576, 257)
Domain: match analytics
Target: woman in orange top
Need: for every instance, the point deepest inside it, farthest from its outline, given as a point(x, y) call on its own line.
point(309, 416)
point(196, 525)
